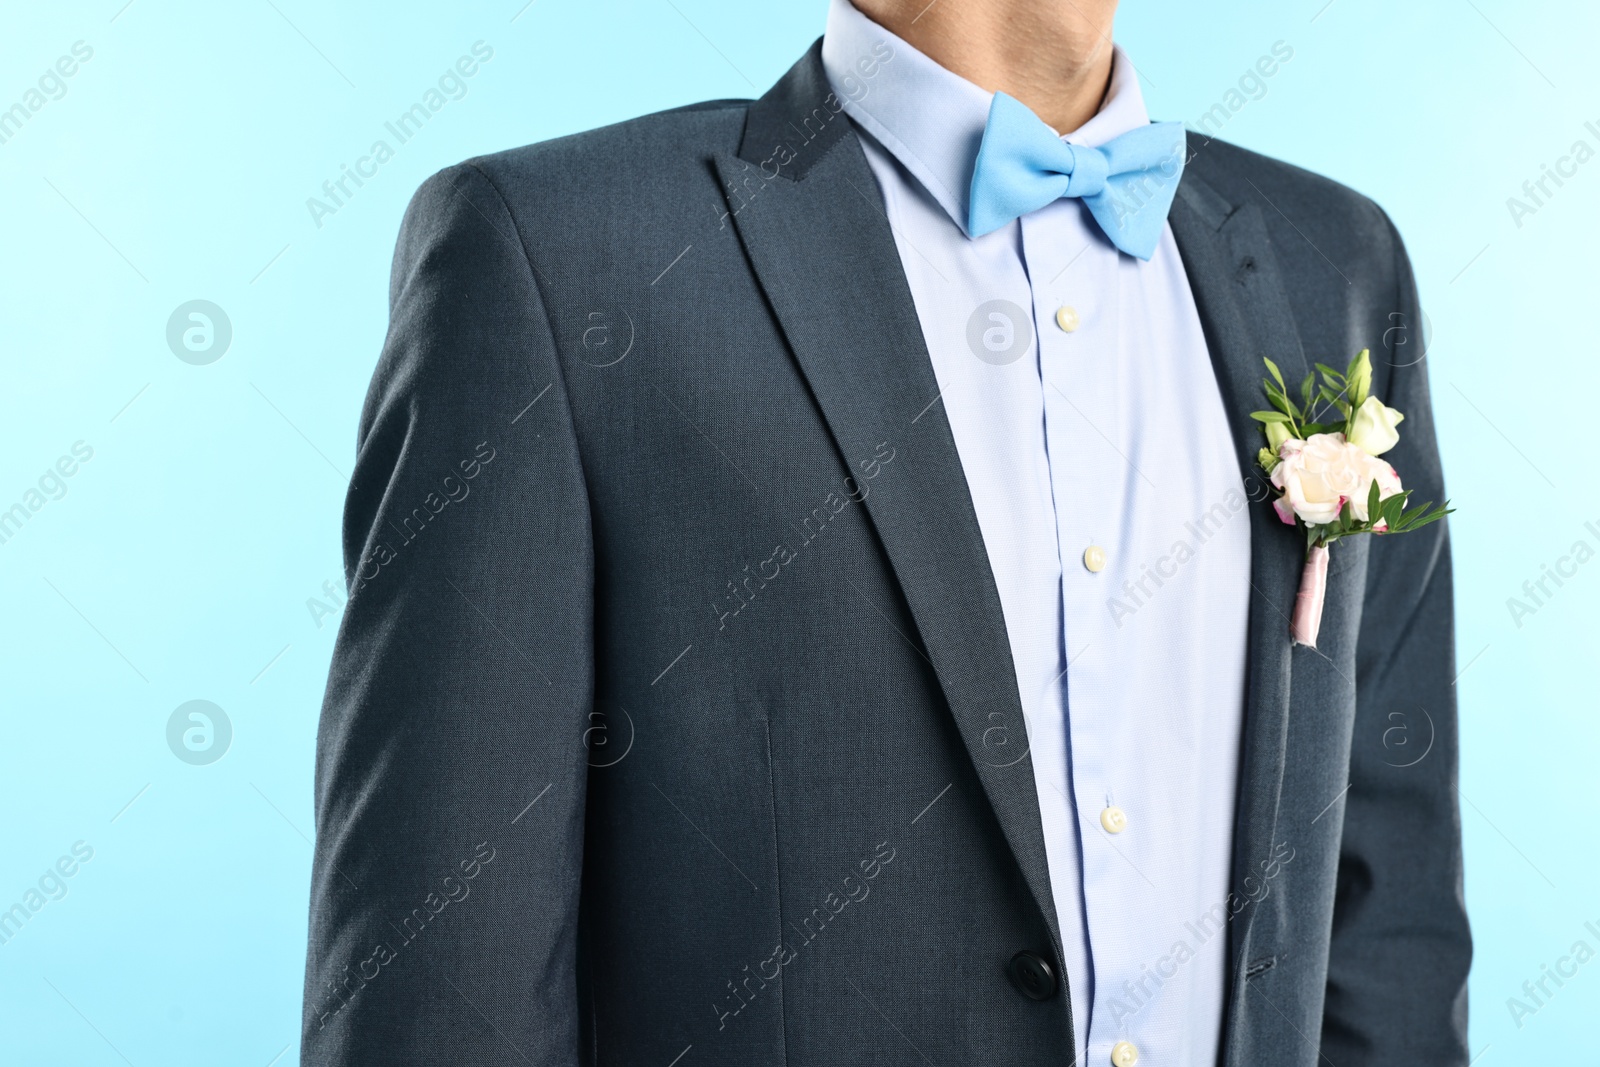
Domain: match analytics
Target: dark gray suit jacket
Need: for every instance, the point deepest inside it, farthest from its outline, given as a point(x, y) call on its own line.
point(672, 718)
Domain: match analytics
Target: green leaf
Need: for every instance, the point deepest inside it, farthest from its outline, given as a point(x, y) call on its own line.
point(1332, 375)
point(1277, 376)
point(1411, 514)
point(1305, 391)
point(1409, 519)
point(1415, 518)
point(1269, 416)
point(1374, 507)
point(1438, 513)
point(1394, 508)
point(1282, 401)
point(1435, 517)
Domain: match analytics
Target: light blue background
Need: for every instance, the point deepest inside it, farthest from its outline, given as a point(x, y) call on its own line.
point(179, 563)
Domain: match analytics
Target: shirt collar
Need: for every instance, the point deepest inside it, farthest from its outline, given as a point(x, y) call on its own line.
point(930, 119)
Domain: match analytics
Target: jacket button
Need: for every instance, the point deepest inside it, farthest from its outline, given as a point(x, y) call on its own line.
point(1032, 975)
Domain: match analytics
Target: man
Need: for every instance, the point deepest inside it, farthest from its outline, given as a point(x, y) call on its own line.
point(812, 602)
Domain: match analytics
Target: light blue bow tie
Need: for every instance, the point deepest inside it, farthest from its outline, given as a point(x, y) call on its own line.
point(1127, 183)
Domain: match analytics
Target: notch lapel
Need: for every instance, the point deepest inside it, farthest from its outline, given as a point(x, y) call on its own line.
point(1233, 274)
point(807, 208)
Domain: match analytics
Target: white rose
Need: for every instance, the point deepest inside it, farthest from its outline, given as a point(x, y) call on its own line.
point(1373, 428)
point(1319, 474)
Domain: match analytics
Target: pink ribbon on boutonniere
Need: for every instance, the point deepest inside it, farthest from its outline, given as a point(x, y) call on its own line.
point(1307, 618)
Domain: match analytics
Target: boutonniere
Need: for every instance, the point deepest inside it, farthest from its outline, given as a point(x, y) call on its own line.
point(1329, 473)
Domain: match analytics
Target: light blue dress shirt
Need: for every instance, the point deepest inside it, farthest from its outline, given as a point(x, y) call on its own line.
point(1081, 396)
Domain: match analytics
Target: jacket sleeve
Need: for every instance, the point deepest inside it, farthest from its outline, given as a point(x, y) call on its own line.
point(1397, 971)
point(450, 757)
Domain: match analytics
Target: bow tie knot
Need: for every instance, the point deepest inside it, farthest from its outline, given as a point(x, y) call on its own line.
point(1086, 168)
point(1127, 183)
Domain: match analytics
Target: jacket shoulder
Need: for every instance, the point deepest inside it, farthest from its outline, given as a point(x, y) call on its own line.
point(1242, 175)
point(617, 183)
point(1309, 216)
point(659, 144)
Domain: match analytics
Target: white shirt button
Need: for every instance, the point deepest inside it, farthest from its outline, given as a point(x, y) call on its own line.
point(1067, 317)
point(1115, 820)
point(1094, 558)
point(1123, 1054)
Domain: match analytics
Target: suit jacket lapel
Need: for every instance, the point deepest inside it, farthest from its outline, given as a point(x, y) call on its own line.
point(1234, 277)
point(809, 213)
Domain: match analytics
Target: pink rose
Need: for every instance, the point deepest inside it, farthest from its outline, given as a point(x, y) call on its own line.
point(1319, 474)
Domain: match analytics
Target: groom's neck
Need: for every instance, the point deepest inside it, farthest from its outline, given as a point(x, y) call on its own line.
point(1053, 55)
